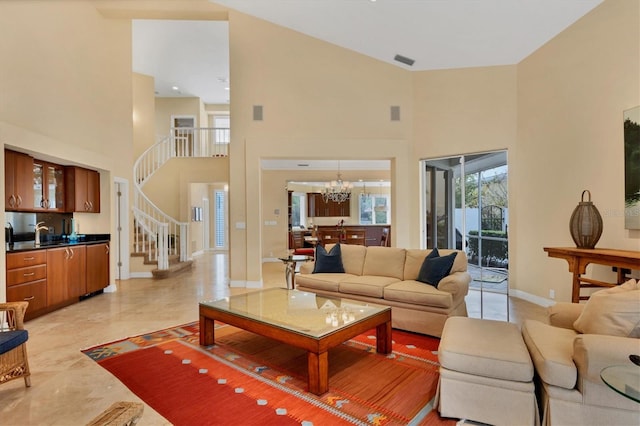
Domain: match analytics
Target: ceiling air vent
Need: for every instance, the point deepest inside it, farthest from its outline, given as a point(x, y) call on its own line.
point(404, 60)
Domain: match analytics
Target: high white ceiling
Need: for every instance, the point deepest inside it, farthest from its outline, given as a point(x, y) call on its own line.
point(437, 34)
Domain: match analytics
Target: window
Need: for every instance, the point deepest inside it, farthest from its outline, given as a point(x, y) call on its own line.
point(221, 125)
point(374, 209)
point(220, 222)
point(298, 209)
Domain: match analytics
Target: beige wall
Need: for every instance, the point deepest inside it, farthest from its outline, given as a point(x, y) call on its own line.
point(198, 192)
point(320, 101)
point(144, 113)
point(571, 96)
point(166, 107)
point(68, 98)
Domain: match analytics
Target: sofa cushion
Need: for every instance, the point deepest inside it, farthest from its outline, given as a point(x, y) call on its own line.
point(366, 285)
point(415, 257)
point(614, 312)
point(551, 350)
point(12, 339)
point(328, 262)
point(435, 267)
point(417, 293)
point(352, 257)
point(384, 262)
point(326, 282)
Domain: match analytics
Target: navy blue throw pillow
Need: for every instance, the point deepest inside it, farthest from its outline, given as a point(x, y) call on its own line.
point(328, 262)
point(436, 267)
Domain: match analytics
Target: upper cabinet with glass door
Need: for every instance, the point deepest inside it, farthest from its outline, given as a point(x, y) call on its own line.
point(48, 186)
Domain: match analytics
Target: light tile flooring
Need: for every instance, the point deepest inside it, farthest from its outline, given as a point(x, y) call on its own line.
point(70, 389)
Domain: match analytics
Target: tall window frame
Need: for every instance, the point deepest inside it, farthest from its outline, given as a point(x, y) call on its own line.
point(374, 209)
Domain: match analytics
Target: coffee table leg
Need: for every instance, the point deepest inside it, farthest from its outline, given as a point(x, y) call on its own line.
point(318, 367)
point(207, 328)
point(383, 338)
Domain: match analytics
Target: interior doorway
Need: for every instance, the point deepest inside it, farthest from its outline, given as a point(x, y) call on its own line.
point(183, 127)
point(466, 208)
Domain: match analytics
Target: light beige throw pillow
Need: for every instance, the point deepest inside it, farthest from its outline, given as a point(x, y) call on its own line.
point(613, 312)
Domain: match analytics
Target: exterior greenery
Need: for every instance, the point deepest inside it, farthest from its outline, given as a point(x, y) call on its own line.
point(631, 162)
point(494, 252)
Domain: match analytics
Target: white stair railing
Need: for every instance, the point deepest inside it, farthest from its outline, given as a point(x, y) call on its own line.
point(157, 234)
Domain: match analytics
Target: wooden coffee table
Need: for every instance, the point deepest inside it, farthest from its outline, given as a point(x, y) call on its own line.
point(301, 319)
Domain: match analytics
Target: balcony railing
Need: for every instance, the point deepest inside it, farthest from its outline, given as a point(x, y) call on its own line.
point(156, 233)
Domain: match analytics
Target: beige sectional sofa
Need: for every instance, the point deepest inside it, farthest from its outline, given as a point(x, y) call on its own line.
point(387, 276)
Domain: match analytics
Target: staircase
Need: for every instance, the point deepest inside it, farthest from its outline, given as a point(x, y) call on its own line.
point(162, 239)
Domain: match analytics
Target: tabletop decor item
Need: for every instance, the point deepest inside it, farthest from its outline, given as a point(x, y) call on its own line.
point(586, 223)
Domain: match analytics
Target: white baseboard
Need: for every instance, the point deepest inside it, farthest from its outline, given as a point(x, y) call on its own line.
point(111, 288)
point(141, 275)
point(537, 300)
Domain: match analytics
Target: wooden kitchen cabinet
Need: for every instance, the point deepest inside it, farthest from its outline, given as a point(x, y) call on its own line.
point(27, 280)
point(97, 276)
point(18, 181)
point(48, 186)
point(82, 190)
point(66, 275)
point(317, 207)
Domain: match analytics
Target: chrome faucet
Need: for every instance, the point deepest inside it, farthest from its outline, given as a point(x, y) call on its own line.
point(39, 227)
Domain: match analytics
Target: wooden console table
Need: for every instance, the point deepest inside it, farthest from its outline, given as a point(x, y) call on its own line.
point(579, 259)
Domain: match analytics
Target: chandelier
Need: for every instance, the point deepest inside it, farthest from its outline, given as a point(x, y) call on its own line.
point(338, 190)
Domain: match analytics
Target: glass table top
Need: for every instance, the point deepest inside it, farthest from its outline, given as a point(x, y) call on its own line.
point(298, 311)
point(624, 379)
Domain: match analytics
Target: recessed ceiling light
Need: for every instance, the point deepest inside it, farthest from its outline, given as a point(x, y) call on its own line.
point(226, 88)
point(175, 88)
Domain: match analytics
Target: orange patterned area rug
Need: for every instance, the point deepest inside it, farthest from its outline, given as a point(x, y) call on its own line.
point(246, 379)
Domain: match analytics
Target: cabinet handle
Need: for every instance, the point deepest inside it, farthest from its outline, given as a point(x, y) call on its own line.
point(19, 198)
point(71, 250)
point(12, 201)
point(29, 258)
point(107, 248)
point(90, 205)
point(30, 274)
point(29, 298)
point(66, 253)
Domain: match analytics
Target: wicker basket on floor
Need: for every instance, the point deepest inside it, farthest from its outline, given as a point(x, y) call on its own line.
point(121, 413)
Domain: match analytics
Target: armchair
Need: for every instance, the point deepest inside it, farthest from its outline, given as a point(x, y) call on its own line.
point(568, 362)
point(13, 338)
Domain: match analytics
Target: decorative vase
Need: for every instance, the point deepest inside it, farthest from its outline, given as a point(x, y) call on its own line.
point(586, 223)
point(73, 237)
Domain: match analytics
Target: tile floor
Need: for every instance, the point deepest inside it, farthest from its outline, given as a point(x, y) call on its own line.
point(70, 389)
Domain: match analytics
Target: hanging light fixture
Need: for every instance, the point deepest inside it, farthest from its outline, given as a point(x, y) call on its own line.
point(364, 194)
point(337, 190)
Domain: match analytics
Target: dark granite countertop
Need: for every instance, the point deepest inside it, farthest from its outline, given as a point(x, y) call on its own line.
point(84, 239)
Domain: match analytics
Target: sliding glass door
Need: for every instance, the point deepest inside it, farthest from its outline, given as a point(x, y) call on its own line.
point(466, 208)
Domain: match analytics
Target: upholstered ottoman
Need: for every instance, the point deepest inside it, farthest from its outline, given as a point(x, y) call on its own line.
point(486, 374)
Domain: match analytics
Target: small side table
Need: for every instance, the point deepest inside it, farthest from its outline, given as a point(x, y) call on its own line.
point(291, 262)
point(624, 379)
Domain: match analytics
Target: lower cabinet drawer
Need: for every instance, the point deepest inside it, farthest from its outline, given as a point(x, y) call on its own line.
point(23, 275)
point(34, 292)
